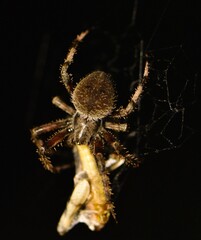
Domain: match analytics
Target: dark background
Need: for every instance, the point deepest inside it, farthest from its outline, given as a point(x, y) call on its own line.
point(161, 200)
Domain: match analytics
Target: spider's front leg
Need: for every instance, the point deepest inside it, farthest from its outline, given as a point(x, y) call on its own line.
point(65, 76)
point(124, 112)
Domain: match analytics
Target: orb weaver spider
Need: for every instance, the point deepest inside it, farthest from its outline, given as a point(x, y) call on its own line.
point(88, 129)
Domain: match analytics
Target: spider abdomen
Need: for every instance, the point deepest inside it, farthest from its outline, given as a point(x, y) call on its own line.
point(94, 96)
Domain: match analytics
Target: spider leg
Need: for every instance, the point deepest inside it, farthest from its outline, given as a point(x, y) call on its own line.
point(63, 106)
point(120, 155)
point(45, 128)
point(97, 147)
point(114, 161)
point(123, 112)
point(119, 127)
point(45, 147)
point(65, 76)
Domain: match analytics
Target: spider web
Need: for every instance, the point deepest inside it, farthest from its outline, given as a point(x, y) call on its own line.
point(161, 118)
point(161, 121)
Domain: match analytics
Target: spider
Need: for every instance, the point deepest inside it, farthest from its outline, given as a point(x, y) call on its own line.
point(89, 130)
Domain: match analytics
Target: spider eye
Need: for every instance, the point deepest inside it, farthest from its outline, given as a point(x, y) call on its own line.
point(94, 96)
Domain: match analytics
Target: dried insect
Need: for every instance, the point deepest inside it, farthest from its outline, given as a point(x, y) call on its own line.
point(88, 131)
point(91, 190)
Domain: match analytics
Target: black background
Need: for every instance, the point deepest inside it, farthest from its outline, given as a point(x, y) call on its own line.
point(158, 201)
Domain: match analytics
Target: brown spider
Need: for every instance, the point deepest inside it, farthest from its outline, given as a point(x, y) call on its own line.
point(87, 130)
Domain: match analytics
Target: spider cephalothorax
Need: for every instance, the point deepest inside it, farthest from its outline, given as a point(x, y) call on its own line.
point(87, 129)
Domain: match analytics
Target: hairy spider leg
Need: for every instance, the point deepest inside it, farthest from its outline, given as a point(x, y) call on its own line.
point(124, 112)
point(121, 155)
point(63, 106)
point(65, 76)
point(45, 128)
point(44, 148)
point(119, 127)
